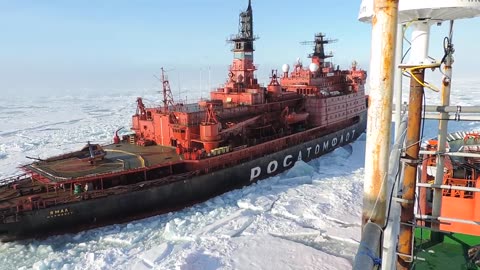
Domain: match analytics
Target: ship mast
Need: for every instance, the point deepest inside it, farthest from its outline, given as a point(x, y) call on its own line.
point(167, 93)
point(242, 69)
point(318, 56)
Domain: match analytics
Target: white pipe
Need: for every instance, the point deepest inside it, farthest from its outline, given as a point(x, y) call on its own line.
point(420, 40)
point(389, 255)
point(371, 239)
point(442, 132)
point(461, 117)
point(448, 187)
point(398, 79)
point(471, 222)
point(454, 154)
point(450, 109)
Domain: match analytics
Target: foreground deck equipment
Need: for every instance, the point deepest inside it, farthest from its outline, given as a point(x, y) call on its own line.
point(439, 212)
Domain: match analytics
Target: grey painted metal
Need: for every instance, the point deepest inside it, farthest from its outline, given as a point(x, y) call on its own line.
point(454, 154)
point(442, 131)
point(393, 227)
point(384, 29)
point(448, 187)
point(369, 247)
point(446, 219)
point(450, 109)
point(398, 80)
point(453, 109)
point(461, 117)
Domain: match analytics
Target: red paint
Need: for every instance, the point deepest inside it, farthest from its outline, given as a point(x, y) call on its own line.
point(454, 200)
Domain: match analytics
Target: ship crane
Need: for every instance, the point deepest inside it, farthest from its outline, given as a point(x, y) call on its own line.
point(116, 138)
point(141, 111)
point(210, 117)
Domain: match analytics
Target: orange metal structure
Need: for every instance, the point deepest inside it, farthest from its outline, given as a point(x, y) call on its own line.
point(318, 96)
point(459, 172)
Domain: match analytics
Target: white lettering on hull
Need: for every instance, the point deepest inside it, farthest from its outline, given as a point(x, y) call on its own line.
point(325, 145)
point(286, 161)
point(299, 155)
point(334, 142)
point(273, 166)
point(308, 151)
point(255, 172)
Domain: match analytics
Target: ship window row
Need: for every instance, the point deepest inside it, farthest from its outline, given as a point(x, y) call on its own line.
point(243, 55)
point(305, 91)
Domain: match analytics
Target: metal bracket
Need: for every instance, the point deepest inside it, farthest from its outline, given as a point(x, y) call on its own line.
point(457, 113)
point(400, 200)
point(409, 224)
point(409, 256)
point(404, 108)
point(410, 161)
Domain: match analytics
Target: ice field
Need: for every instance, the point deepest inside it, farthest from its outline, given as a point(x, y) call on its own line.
point(306, 218)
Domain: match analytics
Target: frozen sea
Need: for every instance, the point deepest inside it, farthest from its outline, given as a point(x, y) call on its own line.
point(306, 218)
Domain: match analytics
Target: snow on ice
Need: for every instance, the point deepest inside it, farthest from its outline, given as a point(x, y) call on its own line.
point(305, 218)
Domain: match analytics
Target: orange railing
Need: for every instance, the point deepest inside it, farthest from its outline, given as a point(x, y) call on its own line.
point(459, 183)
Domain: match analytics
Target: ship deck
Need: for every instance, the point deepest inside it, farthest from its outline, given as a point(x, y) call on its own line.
point(449, 252)
point(119, 157)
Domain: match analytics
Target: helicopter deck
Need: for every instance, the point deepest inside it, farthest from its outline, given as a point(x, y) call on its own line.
point(118, 158)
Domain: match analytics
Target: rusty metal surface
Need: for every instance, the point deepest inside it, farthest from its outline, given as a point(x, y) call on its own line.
point(384, 27)
point(410, 170)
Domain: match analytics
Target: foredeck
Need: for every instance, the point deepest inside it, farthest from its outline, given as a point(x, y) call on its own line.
point(119, 157)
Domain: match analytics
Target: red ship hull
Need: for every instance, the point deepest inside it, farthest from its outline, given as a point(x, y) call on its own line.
point(179, 154)
point(168, 194)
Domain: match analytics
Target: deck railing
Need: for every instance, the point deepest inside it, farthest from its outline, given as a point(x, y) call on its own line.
point(11, 179)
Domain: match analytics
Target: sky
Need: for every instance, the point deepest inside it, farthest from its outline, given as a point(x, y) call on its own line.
point(69, 47)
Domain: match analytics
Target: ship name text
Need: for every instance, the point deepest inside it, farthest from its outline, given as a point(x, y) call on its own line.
point(59, 213)
point(307, 154)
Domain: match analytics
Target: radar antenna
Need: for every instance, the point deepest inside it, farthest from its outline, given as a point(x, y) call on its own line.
point(319, 42)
